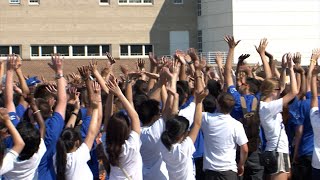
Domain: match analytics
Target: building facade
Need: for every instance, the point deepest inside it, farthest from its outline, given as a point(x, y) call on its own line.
point(289, 25)
point(86, 29)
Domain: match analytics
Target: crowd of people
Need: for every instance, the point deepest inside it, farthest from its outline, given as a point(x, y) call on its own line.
point(180, 120)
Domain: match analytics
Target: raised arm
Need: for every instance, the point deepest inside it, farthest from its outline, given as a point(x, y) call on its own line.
point(293, 82)
point(17, 139)
point(76, 104)
point(37, 114)
point(313, 71)
point(228, 67)
point(57, 66)
point(180, 56)
point(261, 50)
point(284, 65)
point(219, 58)
point(23, 83)
point(94, 69)
point(95, 123)
point(11, 67)
point(301, 78)
point(133, 115)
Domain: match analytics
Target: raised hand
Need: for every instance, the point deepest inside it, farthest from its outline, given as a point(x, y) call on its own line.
point(124, 70)
point(18, 63)
point(76, 78)
point(284, 62)
point(113, 86)
point(193, 54)
point(315, 54)
point(180, 56)
point(84, 72)
point(290, 61)
point(231, 42)
point(51, 89)
point(297, 58)
point(95, 99)
point(262, 46)
point(153, 59)
point(140, 64)
point(12, 63)
point(56, 63)
point(93, 65)
point(201, 95)
point(242, 57)
point(269, 55)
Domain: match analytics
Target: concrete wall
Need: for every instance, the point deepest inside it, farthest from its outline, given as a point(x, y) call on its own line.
point(86, 22)
point(289, 25)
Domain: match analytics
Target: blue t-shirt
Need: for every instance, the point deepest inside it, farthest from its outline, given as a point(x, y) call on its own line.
point(308, 95)
point(306, 143)
point(20, 111)
point(54, 127)
point(294, 116)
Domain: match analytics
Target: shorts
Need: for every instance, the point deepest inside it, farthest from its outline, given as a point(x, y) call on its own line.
point(283, 165)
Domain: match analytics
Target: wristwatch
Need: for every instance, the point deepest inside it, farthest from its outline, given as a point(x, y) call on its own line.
point(58, 76)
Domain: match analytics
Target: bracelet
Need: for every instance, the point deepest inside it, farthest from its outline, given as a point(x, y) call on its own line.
point(58, 76)
point(313, 61)
point(36, 111)
point(74, 113)
point(190, 62)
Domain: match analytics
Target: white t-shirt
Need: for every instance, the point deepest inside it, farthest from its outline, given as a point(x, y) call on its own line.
point(130, 159)
point(315, 122)
point(179, 160)
point(153, 166)
point(8, 161)
point(222, 134)
point(77, 164)
point(188, 112)
point(271, 121)
point(27, 169)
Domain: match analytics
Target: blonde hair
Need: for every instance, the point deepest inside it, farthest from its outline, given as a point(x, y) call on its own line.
point(268, 86)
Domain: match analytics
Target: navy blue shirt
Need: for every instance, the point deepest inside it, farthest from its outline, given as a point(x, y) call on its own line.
point(54, 127)
point(294, 116)
point(20, 111)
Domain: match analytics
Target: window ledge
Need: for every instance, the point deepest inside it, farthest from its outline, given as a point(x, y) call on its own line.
point(135, 4)
point(104, 4)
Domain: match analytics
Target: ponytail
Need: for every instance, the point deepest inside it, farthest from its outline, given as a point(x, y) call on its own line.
point(175, 128)
point(65, 144)
point(61, 159)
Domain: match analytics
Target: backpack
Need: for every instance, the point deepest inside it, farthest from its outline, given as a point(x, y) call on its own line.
point(251, 123)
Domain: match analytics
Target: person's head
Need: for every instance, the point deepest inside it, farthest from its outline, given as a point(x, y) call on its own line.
point(69, 140)
point(118, 131)
point(44, 107)
point(209, 104)
point(214, 88)
point(253, 84)
point(226, 103)
point(41, 92)
point(176, 131)
point(270, 88)
point(31, 137)
point(140, 87)
point(182, 95)
point(138, 99)
point(149, 111)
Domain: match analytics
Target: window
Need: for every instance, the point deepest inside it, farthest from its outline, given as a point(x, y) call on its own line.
point(78, 51)
point(124, 50)
point(35, 51)
point(34, 2)
point(14, 1)
point(47, 50)
point(63, 50)
point(4, 51)
point(148, 49)
point(105, 48)
point(93, 50)
point(135, 50)
point(200, 40)
point(104, 2)
point(135, 1)
point(177, 1)
point(199, 8)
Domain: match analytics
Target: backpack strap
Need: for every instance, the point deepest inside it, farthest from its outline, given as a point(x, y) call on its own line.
point(243, 105)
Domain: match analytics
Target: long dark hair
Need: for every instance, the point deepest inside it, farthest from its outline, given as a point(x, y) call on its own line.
point(175, 127)
point(66, 143)
point(118, 131)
